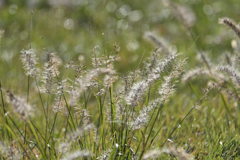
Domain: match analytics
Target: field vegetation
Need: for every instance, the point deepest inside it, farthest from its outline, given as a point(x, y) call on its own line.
point(101, 79)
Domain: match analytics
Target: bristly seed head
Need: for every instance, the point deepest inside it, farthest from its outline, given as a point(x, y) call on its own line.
point(19, 104)
point(76, 154)
point(29, 61)
point(231, 24)
point(50, 71)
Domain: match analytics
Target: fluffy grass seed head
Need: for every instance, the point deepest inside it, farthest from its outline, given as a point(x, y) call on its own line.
point(19, 105)
point(138, 89)
point(203, 72)
point(77, 154)
point(160, 43)
point(63, 147)
point(230, 23)
point(160, 66)
point(60, 106)
point(152, 154)
point(183, 13)
point(177, 152)
point(90, 80)
point(50, 72)
point(232, 72)
point(80, 131)
point(136, 93)
point(173, 151)
point(79, 68)
point(140, 120)
point(29, 61)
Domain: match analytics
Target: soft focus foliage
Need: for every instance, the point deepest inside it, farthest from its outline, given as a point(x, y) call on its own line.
point(101, 79)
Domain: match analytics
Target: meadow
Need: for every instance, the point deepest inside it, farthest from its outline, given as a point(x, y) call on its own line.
point(101, 79)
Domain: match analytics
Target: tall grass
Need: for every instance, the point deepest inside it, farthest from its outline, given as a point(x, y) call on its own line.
point(77, 112)
point(123, 108)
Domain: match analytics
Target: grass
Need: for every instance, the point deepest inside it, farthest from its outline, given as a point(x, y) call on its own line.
point(85, 82)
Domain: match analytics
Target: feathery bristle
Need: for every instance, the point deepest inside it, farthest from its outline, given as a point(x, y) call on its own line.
point(77, 154)
point(29, 61)
point(19, 104)
point(231, 24)
point(50, 72)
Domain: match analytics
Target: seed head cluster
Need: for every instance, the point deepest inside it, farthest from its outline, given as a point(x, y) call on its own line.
point(50, 73)
point(29, 61)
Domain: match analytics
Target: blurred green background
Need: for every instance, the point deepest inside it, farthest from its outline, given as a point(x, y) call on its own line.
point(73, 28)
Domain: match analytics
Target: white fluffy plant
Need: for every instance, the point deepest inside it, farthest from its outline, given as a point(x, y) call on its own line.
point(29, 61)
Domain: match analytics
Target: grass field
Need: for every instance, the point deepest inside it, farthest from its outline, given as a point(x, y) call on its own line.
point(123, 79)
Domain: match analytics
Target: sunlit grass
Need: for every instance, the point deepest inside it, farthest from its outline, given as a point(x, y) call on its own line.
point(100, 107)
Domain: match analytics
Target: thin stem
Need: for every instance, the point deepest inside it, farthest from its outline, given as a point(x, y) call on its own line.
point(46, 129)
point(159, 109)
point(112, 109)
point(4, 111)
point(175, 128)
point(28, 81)
point(55, 117)
point(40, 98)
point(36, 129)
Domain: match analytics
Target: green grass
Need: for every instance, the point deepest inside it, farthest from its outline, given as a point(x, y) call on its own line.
point(199, 119)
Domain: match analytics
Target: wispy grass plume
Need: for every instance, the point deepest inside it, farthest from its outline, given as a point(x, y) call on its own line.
point(77, 154)
point(29, 61)
point(232, 72)
point(172, 151)
point(160, 44)
point(231, 24)
point(50, 72)
point(19, 105)
point(184, 14)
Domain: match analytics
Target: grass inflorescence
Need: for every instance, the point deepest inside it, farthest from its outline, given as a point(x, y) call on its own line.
point(170, 105)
